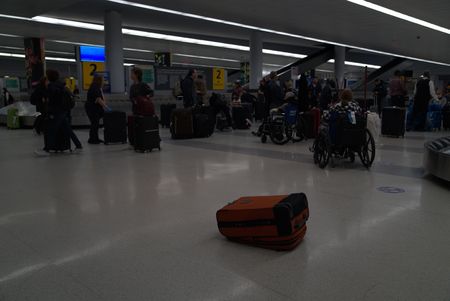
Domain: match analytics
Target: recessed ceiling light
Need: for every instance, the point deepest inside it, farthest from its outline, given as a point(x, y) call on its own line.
point(357, 64)
point(399, 15)
point(282, 53)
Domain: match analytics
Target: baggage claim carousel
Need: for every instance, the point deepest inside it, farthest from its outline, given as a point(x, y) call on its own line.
point(437, 158)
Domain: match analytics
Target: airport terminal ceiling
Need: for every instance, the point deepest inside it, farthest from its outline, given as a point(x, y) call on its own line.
point(340, 21)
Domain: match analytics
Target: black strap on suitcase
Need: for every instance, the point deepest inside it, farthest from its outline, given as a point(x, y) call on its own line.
point(146, 131)
point(115, 127)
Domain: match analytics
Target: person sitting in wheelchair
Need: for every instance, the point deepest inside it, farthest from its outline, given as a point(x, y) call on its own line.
point(290, 103)
point(346, 105)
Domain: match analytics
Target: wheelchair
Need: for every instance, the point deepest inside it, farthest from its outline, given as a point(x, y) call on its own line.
point(342, 139)
point(282, 127)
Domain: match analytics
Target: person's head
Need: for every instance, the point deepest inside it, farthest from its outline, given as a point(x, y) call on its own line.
point(397, 73)
point(192, 73)
point(346, 96)
point(290, 96)
point(136, 75)
point(52, 75)
point(97, 82)
point(315, 81)
point(426, 74)
point(273, 75)
point(237, 84)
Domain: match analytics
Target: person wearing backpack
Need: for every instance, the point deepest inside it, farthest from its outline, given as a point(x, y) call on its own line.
point(60, 103)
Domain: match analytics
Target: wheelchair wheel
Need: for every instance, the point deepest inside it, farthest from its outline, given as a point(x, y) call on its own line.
point(367, 153)
point(321, 153)
point(280, 135)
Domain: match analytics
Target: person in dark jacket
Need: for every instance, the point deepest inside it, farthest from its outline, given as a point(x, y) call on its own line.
point(274, 94)
point(8, 98)
point(327, 95)
point(58, 114)
point(39, 99)
point(95, 108)
point(423, 93)
point(189, 90)
point(139, 89)
point(303, 95)
point(315, 90)
point(380, 92)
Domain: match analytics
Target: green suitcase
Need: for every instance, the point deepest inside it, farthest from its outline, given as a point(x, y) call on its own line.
point(13, 121)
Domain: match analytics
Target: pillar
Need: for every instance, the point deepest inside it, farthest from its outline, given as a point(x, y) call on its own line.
point(114, 51)
point(339, 65)
point(256, 59)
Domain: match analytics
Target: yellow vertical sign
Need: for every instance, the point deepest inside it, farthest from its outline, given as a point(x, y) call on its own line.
point(89, 69)
point(218, 79)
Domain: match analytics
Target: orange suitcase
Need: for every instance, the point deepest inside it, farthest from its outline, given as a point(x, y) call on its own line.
point(264, 216)
point(279, 243)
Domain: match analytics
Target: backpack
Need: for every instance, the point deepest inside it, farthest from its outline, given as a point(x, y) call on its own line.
point(68, 100)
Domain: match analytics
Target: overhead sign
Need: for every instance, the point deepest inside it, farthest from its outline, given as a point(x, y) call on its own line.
point(218, 79)
point(92, 54)
point(163, 59)
point(89, 70)
point(245, 73)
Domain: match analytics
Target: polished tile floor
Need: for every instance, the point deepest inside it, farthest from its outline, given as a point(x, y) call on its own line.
point(110, 224)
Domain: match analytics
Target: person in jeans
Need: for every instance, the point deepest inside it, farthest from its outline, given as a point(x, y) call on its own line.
point(58, 114)
point(397, 90)
point(95, 107)
point(423, 93)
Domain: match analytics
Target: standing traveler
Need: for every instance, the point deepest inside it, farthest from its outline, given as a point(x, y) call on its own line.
point(423, 93)
point(188, 89)
point(380, 92)
point(201, 90)
point(303, 94)
point(397, 90)
point(39, 99)
point(8, 98)
point(95, 108)
point(274, 96)
point(237, 91)
point(327, 95)
point(315, 89)
point(140, 94)
point(60, 102)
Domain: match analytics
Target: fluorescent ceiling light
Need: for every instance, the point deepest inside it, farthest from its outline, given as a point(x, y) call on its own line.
point(59, 52)
point(77, 24)
point(128, 64)
point(74, 43)
point(399, 15)
point(206, 66)
point(139, 60)
point(357, 64)
point(12, 55)
point(59, 59)
point(138, 50)
point(324, 70)
point(215, 20)
point(206, 57)
point(273, 65)
point(282, 53)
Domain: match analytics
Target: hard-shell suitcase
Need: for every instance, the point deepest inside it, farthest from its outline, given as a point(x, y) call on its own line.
point(279, 243)
point(182, 124)
point(446, 117)
point(204, 121)
point(311, 122)
point(263, 216)
point(393, 122)
point(131, 129)
point(241, 115)
point(146, 133)
point(166, 112)
point(115, 127)
point(13, 119)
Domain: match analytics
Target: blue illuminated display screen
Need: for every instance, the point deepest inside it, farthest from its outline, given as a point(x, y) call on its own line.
point(92, 54)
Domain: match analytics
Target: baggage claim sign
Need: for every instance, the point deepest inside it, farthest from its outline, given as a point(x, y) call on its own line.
point(92, 61)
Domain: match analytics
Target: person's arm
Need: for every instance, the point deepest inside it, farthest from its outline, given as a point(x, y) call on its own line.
point(433, 91)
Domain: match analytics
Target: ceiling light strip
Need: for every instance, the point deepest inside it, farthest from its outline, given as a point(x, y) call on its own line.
point(399, 15)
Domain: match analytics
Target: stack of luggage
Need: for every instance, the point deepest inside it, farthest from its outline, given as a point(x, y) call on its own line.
point(143, 130)
point(271, 222)
point(198, 122)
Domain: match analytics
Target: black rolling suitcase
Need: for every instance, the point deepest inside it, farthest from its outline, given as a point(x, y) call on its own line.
point(166, 112)
point(393, 122)
point(115, 127)
point(182, 124)
point(446, 117)
point(146, 131)
point(204, 121)
point(240, 116)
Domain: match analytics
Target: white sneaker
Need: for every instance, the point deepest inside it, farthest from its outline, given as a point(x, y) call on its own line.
point(77, 150)
point(41, 153)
